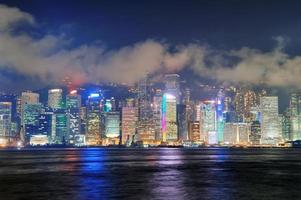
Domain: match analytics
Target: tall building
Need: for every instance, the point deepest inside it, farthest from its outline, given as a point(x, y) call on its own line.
point(172, 85)
point(129, 122)
point(144, 100)
point(73, 105)
point(239, 105)
point(220, 116)
point(45, 124)
point(182, 121)
point(208, 122)
point(157, 108)
point(55, 98)
point(194, 131)
point(236, 134)
point(255, 133)
point(108, 105)
point(73, 100)
point(112, 127)
point(270, 127)
point(169, 118)
point(60, 123)
point(186, 96)
point(250, 101)
point(286, 126)
point(83, 119)
point(31, 120)
point(5, 121)
point(146, 124)
point(295, 116)
point(27, 97)
point(93, 126)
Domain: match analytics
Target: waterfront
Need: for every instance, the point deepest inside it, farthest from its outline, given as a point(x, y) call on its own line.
point(166, 173)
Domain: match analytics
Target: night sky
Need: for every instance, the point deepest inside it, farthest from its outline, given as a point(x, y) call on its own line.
point(222, 24)
point(237, 42)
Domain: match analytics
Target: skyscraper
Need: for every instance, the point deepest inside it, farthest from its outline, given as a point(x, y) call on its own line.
point(157, 115)
point(27, 97)
point(250, 101)
point(208, 122)
point(182, 121)
point(55, 98)
point(93, 135)
point(169, 118)
point(194, 131)
point(270, 127)
point(31, 120)
point(286, 126)
point(295, 116)
point(220, 116)
point(112, 127)
point(45, 124)
point(146, 124)
point(255, 133)
point(73, 100)
point(73, 104)
point(129, 122)
point(236, 134)
point(5, 121)
point(60, 122)
point(239, 105)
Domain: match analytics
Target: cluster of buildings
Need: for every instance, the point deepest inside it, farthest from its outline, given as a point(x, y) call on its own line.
point(153, 116)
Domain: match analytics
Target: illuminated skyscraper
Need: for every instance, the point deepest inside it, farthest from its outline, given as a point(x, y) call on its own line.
point(182, 121)
point(169, 118)
point(208, 122)
point(172, 85)
point(146, 124)
point(186, 96)
point(73, 100)
point(112, 127)
point(194, 131)
point(60, 123)
point(5, 121)
point(270, 127)
point(31, 119)
point(220, 116)
point(144, 100)
point(295, 116)
point(108, 105)
point(73, 104)
point(93, 135)
point(255, 133)
point(45, 124)
point(227, 104)
point(27, 97)
point(236, 134)
point(129, 122)
point(250, 101)
point(239, 105)
point(157, 115)
point(55, 98)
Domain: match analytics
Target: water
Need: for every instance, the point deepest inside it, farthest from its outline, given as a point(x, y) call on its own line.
point(150, 174)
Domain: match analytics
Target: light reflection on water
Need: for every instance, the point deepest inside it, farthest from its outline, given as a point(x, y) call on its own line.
point(150, 173)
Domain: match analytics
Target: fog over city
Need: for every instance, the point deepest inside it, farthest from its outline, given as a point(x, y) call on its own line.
point(49, 58)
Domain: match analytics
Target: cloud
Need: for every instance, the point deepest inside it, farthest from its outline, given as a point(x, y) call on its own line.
point(49, 59)
point(274, 68)
point(12, 16)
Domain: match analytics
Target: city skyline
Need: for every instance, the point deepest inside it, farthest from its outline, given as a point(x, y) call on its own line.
point(149, 114)
point(149, 99)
